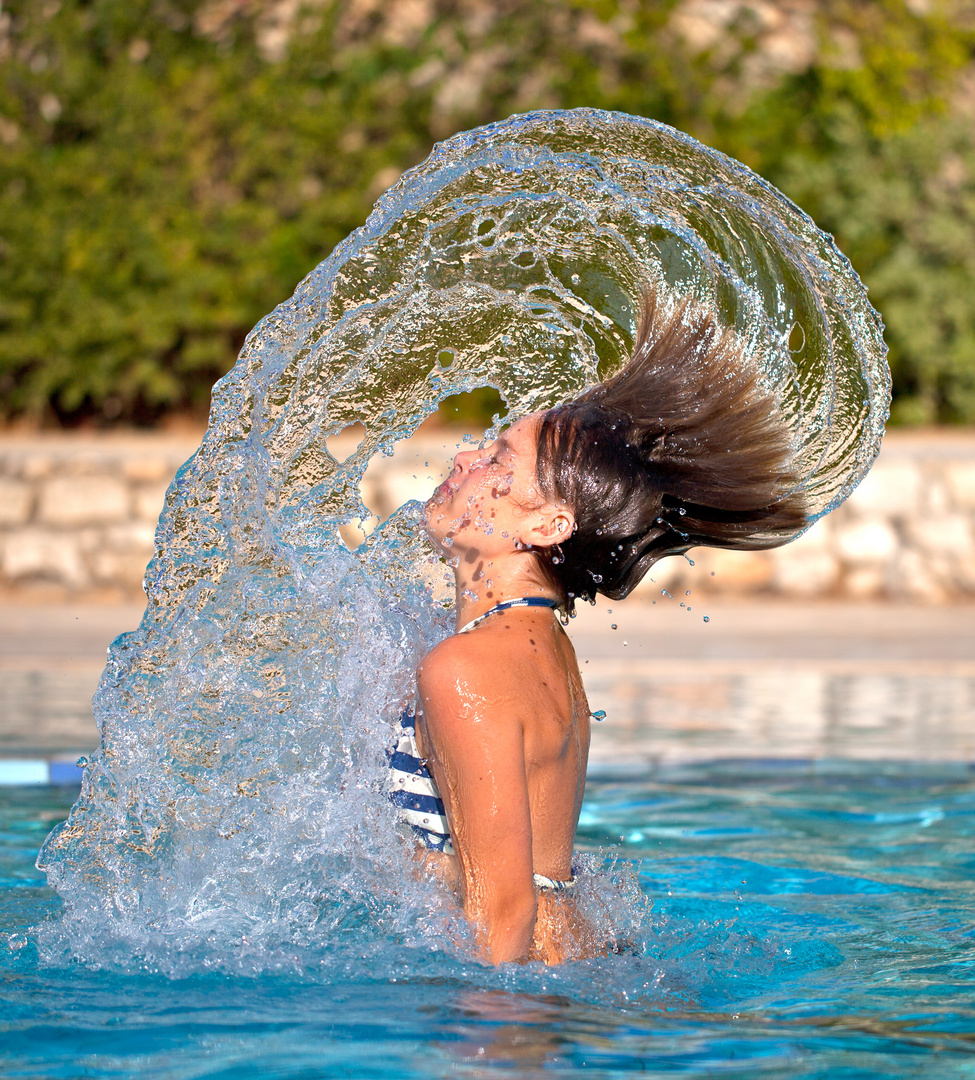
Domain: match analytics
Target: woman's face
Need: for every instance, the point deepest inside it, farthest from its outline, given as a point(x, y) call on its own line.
point(491, 497)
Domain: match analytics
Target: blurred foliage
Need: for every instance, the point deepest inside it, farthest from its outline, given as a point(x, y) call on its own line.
point(170, 169)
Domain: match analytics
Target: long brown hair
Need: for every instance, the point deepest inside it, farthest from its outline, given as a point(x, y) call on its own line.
point(681, 448)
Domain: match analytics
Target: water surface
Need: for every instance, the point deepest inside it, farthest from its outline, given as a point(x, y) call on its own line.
point(808, 919)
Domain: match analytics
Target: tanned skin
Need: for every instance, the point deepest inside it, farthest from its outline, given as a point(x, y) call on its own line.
point(504, 721)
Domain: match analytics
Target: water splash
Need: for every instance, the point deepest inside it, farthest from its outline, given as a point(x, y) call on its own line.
point(234, 811)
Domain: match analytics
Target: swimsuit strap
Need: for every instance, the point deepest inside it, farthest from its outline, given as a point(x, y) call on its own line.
point(521, 601)
point(551, 885)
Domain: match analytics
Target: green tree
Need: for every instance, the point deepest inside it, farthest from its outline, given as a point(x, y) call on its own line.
point(170, 169)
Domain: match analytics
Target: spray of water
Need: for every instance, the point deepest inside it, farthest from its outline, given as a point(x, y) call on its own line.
point(234, 814)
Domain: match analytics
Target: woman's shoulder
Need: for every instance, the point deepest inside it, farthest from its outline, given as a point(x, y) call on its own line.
point(460, 657)
point(467, 666)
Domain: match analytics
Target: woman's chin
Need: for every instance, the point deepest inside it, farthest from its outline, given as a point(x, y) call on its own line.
point(434, 524)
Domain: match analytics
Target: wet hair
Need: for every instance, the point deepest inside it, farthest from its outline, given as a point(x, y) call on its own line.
point(681, 448)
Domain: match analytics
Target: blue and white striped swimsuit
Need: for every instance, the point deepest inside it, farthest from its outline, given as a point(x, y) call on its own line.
point(413, 790)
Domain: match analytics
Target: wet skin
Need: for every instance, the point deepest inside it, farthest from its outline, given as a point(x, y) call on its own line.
point(504, 720)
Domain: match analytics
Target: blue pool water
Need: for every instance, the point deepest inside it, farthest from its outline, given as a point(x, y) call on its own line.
point(808, 920)
point(235, 901)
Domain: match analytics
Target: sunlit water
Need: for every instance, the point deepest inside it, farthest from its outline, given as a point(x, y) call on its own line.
point(807, 920)
point(233, 834)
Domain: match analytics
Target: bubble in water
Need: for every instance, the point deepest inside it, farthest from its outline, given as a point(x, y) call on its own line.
point(236, 801)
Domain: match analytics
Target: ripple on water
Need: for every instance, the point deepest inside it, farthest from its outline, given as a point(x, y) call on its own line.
point(779, 947)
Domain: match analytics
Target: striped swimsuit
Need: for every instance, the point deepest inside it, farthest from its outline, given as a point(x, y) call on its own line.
point(412, 789)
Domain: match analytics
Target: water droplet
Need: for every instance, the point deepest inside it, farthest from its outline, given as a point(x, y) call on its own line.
point(599, 714)
point(82, 762)
point(707, 618)
point(612, 626)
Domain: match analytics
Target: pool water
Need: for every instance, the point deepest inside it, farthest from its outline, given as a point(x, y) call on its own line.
point(809, 919)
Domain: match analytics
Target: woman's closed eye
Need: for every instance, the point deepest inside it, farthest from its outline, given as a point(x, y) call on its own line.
point(493, 458)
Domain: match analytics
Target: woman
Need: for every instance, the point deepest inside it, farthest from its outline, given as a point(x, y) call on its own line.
point(680, 448)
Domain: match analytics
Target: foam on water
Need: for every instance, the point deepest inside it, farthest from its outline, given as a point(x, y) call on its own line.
point(234, 813)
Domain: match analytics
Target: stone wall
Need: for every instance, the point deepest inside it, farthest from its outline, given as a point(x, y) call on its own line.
point(78, 512)
point(907, 533)
point(77, 516)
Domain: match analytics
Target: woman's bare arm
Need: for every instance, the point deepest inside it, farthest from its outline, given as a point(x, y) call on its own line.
point(474, 743)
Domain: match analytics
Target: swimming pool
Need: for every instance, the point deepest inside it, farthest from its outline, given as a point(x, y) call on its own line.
point(809, 919)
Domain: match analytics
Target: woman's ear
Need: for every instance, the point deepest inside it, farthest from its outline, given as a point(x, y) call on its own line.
point(554, 526)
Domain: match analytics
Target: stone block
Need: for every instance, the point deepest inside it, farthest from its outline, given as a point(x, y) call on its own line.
point(862, 542)
point(803, 572)
point(16, 502)
point(373, 493)
point(131, 536)
point(964, 573)
point(87, 462)
point(123, 569)
point(739, 571)
point(148, 500)
point(36, 466)
point(865, 583)
point(816, 538)
point(147, 469)
point(666, 574)
point(915, 578)
point(890, 489)
point(400, 485)
point(960, 481)
point(49, 556)
point(950, 534)
point(937, 500)
point(83, 500)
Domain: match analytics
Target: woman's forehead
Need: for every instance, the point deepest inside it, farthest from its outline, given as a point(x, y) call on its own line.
point(522, 433)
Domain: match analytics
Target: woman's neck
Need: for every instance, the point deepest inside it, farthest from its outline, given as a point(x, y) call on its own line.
point(475, 597)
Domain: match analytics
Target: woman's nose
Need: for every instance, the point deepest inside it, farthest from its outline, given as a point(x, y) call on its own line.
point(463, 458)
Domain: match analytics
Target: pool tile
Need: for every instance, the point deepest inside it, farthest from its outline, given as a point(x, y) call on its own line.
point(65, 772)
point(24, 771)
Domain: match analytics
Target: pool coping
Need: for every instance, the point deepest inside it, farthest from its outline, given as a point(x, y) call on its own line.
point(58, 769)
